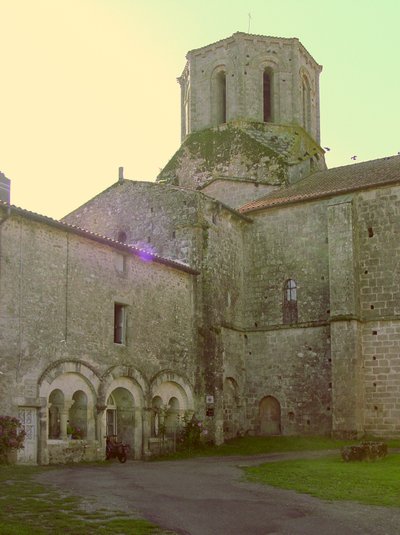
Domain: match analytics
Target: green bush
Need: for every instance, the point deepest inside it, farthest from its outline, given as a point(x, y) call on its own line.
point(191, 434)
point(12, 436)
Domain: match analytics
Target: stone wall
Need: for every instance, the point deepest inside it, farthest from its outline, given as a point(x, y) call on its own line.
point(197, 229)
point(377, 231)
point(236, 193)
point(287, 243)
point(59, 289)
point(290, 363)
point(158, 218)
point(293, 366)
point(57, 296)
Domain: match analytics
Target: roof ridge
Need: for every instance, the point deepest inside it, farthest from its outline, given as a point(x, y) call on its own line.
point(141, 253)
point(257, 35)
point(328, 182)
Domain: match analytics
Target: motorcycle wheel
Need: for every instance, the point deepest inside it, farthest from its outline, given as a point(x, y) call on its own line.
point(122, 457)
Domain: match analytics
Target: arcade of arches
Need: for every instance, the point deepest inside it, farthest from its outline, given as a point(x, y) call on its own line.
point(82, 408)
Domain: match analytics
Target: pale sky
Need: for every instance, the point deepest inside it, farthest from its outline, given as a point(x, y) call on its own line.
point(90, 85)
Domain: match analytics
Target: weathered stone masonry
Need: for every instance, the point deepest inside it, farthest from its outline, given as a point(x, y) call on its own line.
point(249, 285)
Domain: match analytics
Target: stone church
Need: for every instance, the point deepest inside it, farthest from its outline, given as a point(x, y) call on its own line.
point(249, 285)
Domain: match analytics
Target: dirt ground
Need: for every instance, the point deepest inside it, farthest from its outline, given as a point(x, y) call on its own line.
point(209, 496)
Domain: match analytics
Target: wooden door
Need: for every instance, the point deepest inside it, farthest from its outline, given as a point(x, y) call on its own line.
point(270, 416)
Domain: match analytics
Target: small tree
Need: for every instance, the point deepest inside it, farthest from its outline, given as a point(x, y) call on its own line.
point(12, 436)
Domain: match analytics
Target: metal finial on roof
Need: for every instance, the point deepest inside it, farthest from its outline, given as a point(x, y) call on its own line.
point(120, 174)
point(248, 29)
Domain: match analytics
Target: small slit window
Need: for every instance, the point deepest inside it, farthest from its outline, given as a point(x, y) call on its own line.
point(119, 323)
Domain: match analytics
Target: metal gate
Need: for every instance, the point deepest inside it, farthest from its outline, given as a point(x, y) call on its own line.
point(28, 417)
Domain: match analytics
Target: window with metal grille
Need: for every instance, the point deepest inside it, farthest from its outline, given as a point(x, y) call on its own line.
point(290, 314)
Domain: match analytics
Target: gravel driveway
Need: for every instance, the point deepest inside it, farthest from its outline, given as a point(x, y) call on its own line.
point(209, 496)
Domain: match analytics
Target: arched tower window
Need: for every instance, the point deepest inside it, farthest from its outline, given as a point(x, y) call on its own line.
point(267, 95)
point(218, 104)
point(221, 96)
point(290, 302)
point(306, 97)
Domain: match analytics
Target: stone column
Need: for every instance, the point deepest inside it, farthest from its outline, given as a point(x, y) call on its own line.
point(64, 415)
point(54, 420)
point(43, 452)
point(146, 414)
point(137, 446)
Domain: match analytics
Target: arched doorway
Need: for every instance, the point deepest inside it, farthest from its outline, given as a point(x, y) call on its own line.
point(120, 415)
point(270, 416)
point(231, 408)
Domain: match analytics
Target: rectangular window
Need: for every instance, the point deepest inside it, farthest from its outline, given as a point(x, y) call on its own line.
point(121, 263)
point(119, 323)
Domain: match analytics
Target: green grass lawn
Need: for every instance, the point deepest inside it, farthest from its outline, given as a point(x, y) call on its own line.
point(265, 445)
point(373, 483)
point(28, 508)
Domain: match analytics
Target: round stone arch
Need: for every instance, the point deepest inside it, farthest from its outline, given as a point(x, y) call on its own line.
point(261, 62)
point(122, 402)
point(177, 381)
point(305, 75)
point(61, 367)
point(174, 397)
point(213, 68)
point(67, 377)
point(117, 373)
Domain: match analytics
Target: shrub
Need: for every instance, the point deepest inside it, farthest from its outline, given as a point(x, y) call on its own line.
point(364, 451)
point(192, 434)
point(12, 436)
point(75, 432)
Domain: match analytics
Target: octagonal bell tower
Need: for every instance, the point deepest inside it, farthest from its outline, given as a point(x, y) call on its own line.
point(250, 77)
point(249, 111)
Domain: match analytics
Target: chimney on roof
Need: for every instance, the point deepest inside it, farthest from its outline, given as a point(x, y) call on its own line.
point(120, 174)
point(4, 188)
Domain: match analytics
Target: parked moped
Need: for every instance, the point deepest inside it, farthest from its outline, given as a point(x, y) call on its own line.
point(116, 449)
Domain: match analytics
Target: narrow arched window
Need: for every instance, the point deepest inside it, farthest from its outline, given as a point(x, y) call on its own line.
point(267, 95)
point(221, 97)
point(290, 302)
point(306, 104)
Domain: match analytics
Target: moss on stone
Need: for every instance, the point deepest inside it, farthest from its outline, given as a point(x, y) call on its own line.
point(214, 149)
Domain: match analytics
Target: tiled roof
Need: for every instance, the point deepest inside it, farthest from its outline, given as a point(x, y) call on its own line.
point(332, 182)
point(141, 253)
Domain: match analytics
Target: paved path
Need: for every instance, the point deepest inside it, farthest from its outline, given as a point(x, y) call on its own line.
point(209, 496)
